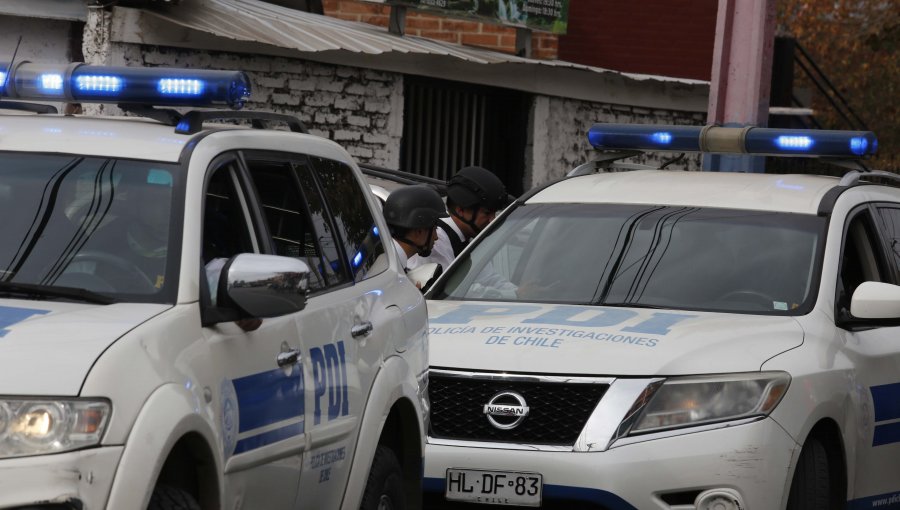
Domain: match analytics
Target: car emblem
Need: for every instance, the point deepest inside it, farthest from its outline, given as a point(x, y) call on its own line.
point(506, 410)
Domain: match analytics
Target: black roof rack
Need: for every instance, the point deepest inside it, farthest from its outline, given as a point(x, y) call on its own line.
point(603, 162)
point(28, 107)
point(855, 177)
point(192, 121)
point(402, 177)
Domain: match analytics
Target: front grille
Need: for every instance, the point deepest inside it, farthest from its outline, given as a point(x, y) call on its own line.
point(557, 410)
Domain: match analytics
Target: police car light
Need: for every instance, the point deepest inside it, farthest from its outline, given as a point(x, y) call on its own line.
point(746, 140)
point(645, 137)
point(157, 86)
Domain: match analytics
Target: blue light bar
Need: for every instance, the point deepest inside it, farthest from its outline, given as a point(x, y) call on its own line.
point(734, 140)
point(810, 142)
point(51, 82)
point(82, 83)
point(88, 83)
point(180, 87)
point(645, 137)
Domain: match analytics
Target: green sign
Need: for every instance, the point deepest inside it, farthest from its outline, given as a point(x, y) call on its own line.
point(542, 15)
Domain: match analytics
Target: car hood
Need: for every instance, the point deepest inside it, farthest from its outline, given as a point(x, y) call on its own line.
point(47, 348)
point(592, 340)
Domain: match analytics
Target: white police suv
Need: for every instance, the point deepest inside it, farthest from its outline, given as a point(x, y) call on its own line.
point(196, 315)
point(676, 340)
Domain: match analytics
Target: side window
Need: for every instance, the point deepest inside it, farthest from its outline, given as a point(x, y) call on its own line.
point(861, 260)
point(322, 224)
point(287, 217)
point(226, 227)
point(353, 218)
point(890, 219)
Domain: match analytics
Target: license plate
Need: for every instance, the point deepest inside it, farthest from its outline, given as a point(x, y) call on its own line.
point(494, 487)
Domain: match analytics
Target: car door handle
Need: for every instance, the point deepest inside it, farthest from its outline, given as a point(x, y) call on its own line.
point(361, 329)
point(288, 358)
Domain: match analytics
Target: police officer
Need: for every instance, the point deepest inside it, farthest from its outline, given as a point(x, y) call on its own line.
point(412, 213)
point(474, 195)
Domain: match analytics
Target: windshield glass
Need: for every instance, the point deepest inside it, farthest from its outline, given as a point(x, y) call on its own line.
point(649, 256)
point(98, 224)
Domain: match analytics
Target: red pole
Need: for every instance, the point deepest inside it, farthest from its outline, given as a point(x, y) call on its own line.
point(741, 72)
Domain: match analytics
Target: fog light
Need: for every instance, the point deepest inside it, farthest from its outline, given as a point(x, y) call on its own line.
point(719, 499)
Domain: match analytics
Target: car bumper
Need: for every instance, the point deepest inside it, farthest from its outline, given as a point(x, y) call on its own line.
point(80, 479)
point(752, 459)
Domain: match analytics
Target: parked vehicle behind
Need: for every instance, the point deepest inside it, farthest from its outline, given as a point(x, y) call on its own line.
point(675, 340)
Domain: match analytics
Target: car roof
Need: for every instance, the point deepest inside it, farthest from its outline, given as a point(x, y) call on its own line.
point(115, 137)
point(729, 190)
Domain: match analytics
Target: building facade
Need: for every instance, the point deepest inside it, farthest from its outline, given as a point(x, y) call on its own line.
point(416, 104)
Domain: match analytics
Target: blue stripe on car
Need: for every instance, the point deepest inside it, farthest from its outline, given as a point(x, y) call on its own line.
point(10, 315)
point(882, 501)
point(886, 434)
point(266, 438)
point(887, 401)
point(269, 397)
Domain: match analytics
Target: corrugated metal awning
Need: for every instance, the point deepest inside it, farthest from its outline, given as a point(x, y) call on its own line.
point(252, 26)
point(68, 10)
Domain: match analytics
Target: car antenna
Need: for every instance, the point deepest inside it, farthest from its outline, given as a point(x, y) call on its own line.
point(9, 69)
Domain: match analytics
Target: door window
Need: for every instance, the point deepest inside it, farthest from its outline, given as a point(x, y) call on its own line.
point(286, 214)
point(226, 229)
point(890, 220)
point(354, 220)
point(861, 261)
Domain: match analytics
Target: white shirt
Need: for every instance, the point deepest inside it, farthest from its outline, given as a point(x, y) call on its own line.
point(404, 260)
point(442, 252)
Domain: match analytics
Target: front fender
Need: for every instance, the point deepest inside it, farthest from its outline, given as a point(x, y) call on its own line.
point(168, 415)
point(396, 380)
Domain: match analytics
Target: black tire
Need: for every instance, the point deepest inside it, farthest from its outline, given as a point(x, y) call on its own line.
point(811, 486)
point(384, 489)
point(166, 497)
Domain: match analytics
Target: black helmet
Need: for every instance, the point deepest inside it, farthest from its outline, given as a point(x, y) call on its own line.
point(417, 206)
point(475, 186)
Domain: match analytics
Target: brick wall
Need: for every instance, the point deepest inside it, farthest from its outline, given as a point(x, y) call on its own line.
point(358, 108)
point(422, 24)
point(558, 141)
point(662, 37)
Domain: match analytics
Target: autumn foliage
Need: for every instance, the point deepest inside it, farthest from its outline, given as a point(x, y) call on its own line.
point(855, 43)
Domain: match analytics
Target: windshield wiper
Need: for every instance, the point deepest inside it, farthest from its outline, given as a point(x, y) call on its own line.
point(47, 291)
point(632, 305)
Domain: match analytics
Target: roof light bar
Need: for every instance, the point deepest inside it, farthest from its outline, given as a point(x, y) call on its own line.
point(740, 140)
point(646, 137)
point(156, 86)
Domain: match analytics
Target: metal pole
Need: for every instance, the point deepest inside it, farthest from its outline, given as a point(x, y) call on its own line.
point(741, 75)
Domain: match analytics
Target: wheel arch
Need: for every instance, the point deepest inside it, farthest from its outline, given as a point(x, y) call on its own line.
point(166, 430)
point(828, 433)
point(392, 401)
point(401, 434)
point(191, 466)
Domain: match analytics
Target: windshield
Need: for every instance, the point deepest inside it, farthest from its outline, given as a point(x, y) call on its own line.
point(646, 256)
point(102, 225)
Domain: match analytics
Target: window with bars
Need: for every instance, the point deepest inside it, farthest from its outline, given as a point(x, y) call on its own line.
point(449, 125)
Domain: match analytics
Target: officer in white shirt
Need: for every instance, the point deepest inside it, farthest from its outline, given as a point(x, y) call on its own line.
point(412, 214)
point(474, 195)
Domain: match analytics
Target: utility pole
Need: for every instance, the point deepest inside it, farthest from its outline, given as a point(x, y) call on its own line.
point(741, 75)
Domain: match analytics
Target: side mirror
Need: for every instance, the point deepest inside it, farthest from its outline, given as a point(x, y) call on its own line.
point(265, 285)
point(425, 275)
point(876, 300)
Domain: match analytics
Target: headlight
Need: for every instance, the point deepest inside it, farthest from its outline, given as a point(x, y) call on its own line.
point(689, 401)
point(35, 427)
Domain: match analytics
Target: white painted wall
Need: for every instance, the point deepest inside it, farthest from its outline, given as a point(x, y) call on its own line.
point(362, 109)
point(43, 40)
point(558, 140)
